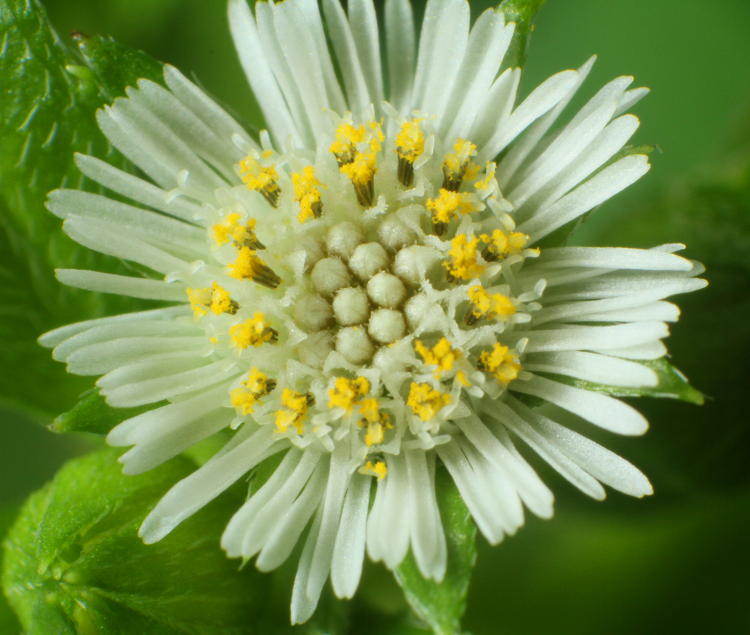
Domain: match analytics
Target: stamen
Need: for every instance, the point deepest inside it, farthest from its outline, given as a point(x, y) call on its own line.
point(346, 393)
point(307, 194)
point(375, 421)
point(462, 261)
point(296, 405)
point(377, 468)
point(446, 206)
point(214, 298)
point(356, 149)
point(250, 266)
point(425, 401)
point(251, 390)
point(241, 235)
point(456, 162)
point(501, 363)
point(501, 244)
point(489, 177)
point(253, 332)
point(488, 305)
point(442, 355)
point(409, 147)
point(261, 178)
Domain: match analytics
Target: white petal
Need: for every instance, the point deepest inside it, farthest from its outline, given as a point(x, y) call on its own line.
point(258, 72)
point(612, 258)
point(601, 410)
point(203, 485)
point(593, 192)
point(601, 463)
point(364, 25)
point(593, 367)
point(427, 537)
point(349, 550)
point(400, 49)
point(594, 338)
point(122, 285)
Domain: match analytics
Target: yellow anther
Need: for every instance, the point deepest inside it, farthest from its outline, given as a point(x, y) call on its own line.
point(344, 146)
point(261, 178)
point(376, 468)
point(346, 393)
point(442, 355)
point(446, 206)
point(361, 172)
point(409, 147)
point(295, 406)
point(426, 401)
point(374, 420)
point(255, 386)
point(307, 193)
point(488, 305)
point(232, 229)
point(501, 363)
point(214, 298)
point(462, 261)
point(249, 266)
point(489, 177)
point(501, 244)
point(356, 149)
point(462, 379)
point(252, 332)
point(456, 162)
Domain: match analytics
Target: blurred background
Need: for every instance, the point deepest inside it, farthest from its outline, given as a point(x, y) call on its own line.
point(677, 562)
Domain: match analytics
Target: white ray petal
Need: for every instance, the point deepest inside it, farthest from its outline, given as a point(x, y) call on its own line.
point(349, 550)
point(400, 51)
point(364, 25)
point(594, 367)
point(594, 338)
point(603, 411)
point(142, 288)
point(203, 485)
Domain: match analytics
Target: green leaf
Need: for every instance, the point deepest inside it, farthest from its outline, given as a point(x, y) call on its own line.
point(93, 414)
point(73, 561)
point(672, 384)
point(442, 604)
point(523, 13)
point(50, 95)
point(114, 67)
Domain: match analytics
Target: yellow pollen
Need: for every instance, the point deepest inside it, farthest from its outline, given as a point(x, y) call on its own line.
point(409, 147)
point(456, 162)
point(377, 468)
point(489, 177)
point(442, 355)
point(489, 305)
point(462, 261)
point(346, 393)
point(307, 193)
point(295, 405)
point(501, 244)
point(375, 421)
point(249, 266)
point(425, 401)
point(252, 332)
point(446, 206)
point(345, 143)
point(242, 235)
point(261, 178)
point(214, 298)
point(501, 363)
point(255, 386)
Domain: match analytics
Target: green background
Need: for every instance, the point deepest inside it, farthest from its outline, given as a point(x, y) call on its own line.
point(677, 562)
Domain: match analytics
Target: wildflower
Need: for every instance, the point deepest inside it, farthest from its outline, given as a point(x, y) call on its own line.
point(317, 260)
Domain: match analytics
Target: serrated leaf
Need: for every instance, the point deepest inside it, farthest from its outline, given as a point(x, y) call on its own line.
point(93, 414)
point(113, 66)
point(672, 384)
point(523, 13)
point(441, 605)
point(46, 114)
point(73, 561)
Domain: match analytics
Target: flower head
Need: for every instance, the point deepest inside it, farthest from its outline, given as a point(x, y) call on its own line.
point(361, 288)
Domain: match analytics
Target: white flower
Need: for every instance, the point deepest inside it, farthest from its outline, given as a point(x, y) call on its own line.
point(360, 290)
